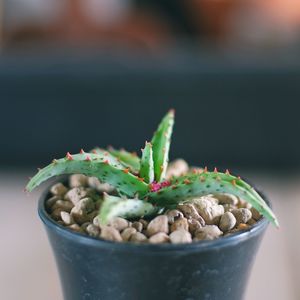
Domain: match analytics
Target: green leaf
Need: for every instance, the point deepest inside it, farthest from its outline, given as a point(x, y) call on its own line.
point(106, 168)
point(128, 159)
point(185, 187)
point(147, 170)
point(126, 208)
point(161, 146)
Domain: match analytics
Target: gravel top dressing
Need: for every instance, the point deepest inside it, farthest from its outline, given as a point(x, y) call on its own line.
point(117, 195)
point(201, 218)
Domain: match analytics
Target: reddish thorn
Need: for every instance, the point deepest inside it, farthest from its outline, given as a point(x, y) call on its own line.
point(239, 178)
point(172, 111)
point(186, 181)
point(54, 161)
point(227, 172)
point(69, 156)
point(194, 171)
point(233, 182)
point(94, 151)
point(25, 190)
point(126, 171)
point(110, 148)
point(146, 198)
point(82, 151)
point(106, 162)
point(165, 134)
point(174, 187)
point(134, 153)
point(88, 158)
point(105, 153)
point(141, 179)
point(215, 170)
point(122, 150)
point(202, 178)
point(205, 170)
point(161, 168)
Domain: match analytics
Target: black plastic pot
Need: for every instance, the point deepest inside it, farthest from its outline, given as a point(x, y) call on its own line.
point(95, 269)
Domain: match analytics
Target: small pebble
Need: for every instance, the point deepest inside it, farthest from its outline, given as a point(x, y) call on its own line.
point(242, 215)
point(118, 223)
point(158, 224)
point(138, 237)
point(180, 237)
point(64, 205)
point(209, 232)
point(127, 233)
point(51, 201)
point(242, 226)
point(159, 238)
point(227, 199)
point(194, 225)
point(176, 168)
point(190, 212)
point(77, 180)
point(180, 224)
point(227, 221)
point(255, 214)
point(93, 230)
point(67, 218)
point(110, 233)
point(138, 226)
point(173, 215)
point(75, 227)
point(58, 189)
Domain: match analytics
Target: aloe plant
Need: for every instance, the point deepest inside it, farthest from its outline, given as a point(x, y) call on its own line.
point(141, 183)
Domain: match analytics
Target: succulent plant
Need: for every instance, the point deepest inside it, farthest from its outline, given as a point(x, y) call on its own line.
point(140, 182)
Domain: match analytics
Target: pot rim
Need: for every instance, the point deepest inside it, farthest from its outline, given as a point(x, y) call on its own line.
point(199, 246)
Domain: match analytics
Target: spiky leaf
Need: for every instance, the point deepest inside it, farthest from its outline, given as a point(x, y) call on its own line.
point(104, 167)
point(209, 183)
point(126, 208)
point(128, 159)
point(147, 170)
point(161, 146)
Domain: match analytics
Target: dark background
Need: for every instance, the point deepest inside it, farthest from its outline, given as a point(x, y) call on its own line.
point(230, 111)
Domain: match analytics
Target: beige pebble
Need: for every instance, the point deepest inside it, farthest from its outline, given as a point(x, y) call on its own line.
point(56, 214)
point(173, 215)
point(144, 222)
point(75, 227)
point(95, 183)
point(158, 224)
point(191, 212)
point(51, 201)
point(77, 180)
point(64, 205)
point(93, 230)
point(242, 226)
point(67, 218)
point(76, 194)
point(177, 168)
point(194, 225)
point(255, 214)
point(180, 224)
point(110, 233)
point(244, 204)
point(227, 221)
point(138, 226)
point(86, 204)
point(58, 189)
point(180, 236)
point(79, 215)
point(96, 221)
point(127, 233)
point(251, 222)
point(228, 207)
point(209, 210)
point(227, 199)
point(209, 232)
point(159, 238)
point(138, 237)
point(242, 215)
point(118, 223)
point(85, 225)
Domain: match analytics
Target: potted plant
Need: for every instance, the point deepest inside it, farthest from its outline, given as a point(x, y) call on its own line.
point(135, 228)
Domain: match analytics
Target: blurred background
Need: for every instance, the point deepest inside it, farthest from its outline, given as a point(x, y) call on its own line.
point(83, 73)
